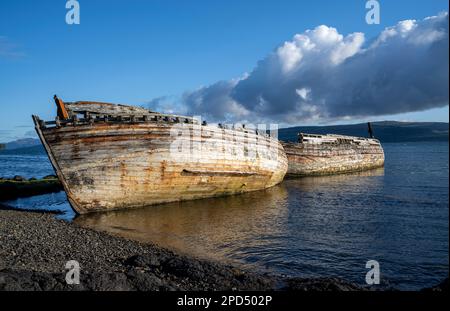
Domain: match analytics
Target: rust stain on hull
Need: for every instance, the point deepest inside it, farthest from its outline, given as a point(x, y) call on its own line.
point(332, 154)
point(115, 165)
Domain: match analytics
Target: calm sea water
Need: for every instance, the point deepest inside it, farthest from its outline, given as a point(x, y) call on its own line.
point(309, 227)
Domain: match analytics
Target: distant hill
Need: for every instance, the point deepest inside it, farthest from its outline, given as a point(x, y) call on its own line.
point(385, 131)
point(33, 150)
point(22, 143)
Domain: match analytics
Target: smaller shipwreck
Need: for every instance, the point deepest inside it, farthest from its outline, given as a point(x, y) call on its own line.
point(316, 154)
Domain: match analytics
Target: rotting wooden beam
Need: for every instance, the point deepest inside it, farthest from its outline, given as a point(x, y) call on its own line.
point(62, 112)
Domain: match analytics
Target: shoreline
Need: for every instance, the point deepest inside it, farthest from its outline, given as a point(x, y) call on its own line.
point(36, 246)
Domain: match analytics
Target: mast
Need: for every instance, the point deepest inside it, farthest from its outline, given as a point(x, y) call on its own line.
point(369, 126)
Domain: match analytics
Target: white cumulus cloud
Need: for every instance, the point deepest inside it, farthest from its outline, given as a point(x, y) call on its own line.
point(322, 74)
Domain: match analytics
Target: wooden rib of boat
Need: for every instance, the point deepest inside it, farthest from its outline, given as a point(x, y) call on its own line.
point(316, 154)
point(111, 156)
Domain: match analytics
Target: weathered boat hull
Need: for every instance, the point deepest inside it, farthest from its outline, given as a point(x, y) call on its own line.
point(332, 154)
point(115, 165)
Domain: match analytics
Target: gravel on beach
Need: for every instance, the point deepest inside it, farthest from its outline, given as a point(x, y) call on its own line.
point(34, 249)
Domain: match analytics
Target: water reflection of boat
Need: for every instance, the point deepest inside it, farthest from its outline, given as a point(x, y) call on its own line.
point(276, 226)
point(198, 226)
point(354, 181)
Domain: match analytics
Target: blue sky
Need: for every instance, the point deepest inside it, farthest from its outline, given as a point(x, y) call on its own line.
point(133, 51)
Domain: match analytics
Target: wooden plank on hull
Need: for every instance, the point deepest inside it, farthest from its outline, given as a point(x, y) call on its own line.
point(217, 173)
point(56, 167)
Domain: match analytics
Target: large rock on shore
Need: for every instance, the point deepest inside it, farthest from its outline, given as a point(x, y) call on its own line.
point(321, 284)
point(441, 287)
point(19, 186)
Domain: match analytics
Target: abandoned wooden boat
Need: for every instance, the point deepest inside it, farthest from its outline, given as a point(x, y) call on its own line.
point(316, 154)
point(110, 156)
